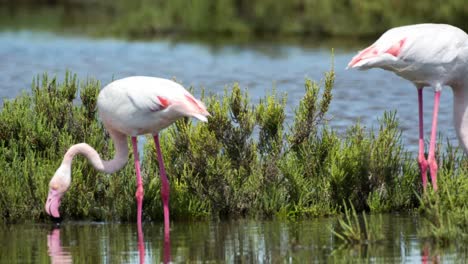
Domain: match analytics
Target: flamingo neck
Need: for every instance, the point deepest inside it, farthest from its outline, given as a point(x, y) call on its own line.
point(460, 112)
point(107, 166)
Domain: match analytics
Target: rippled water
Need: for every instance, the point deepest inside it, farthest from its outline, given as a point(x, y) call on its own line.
point(216, 242)
point(256, 66)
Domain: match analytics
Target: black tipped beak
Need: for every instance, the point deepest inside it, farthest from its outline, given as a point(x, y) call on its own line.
point(56, 220)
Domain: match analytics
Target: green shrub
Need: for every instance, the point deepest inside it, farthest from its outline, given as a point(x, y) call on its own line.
point(247, 161)
point(446, 211)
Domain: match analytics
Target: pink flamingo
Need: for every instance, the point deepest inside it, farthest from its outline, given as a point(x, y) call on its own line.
point(427, 55)
point(56, 252)
point(130, 107)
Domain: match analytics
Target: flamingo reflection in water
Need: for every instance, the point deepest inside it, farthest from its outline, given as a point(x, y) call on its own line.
point(56, 252)
point(61, 255)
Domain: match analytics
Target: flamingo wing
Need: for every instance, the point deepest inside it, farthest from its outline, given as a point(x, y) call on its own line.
point(153, 94)
point(151, 103)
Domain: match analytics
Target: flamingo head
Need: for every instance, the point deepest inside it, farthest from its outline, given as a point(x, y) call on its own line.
point(370, 58)
point(58, 185)
point(379, 55)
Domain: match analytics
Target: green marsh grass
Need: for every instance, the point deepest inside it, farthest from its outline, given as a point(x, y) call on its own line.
point(446, 211)
point(356, 229)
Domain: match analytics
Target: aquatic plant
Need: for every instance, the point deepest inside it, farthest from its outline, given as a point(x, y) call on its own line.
point(354, 229)
point(446, 211)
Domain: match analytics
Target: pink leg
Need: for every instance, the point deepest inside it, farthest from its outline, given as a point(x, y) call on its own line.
point(164, 188)
point(421, 158)
point(425, 254)
point(431, 158)
point(167, 251)
point(141, 244)
point(139, 191)
point(139, 197)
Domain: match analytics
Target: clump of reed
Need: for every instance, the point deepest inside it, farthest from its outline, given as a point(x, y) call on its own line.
point(355, 229)
point(446, 211)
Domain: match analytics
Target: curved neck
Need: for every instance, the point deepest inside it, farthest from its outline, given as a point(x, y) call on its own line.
point(107, 166)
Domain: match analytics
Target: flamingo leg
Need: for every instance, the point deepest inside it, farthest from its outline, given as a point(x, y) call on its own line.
point(164, 188)
point(421, 158)
point(431, 160)
point(139, 191)
point(139, 196)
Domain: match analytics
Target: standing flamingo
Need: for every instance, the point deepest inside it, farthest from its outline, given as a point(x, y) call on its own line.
point(130, 107)
point(427, 55)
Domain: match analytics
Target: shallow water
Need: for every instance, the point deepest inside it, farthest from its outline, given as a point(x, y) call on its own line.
point(227, 242)
point(256, 66)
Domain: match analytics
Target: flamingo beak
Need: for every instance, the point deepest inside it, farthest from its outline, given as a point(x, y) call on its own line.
point(202, 115)
point(358, 61)
point(354, 61)
point(53, 202)
point(361, 58)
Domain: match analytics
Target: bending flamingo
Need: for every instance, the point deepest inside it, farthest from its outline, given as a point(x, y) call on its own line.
point(130, 107)
point(427, 55)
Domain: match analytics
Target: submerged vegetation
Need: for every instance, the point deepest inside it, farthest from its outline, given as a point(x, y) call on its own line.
point(235, 18)
point(247, 161)
point(354, 229)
